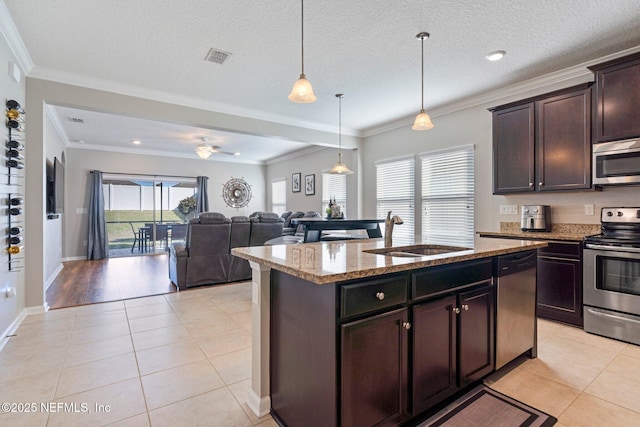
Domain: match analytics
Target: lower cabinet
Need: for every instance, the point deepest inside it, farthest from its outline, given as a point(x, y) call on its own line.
point(560, 283)
point(453, 344)
point(374, 380)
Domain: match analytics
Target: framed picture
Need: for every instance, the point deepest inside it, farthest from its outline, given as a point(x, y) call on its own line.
point(310, 185)
point(295, 182)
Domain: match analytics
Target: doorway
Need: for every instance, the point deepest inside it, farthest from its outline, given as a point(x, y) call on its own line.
point(145, 214)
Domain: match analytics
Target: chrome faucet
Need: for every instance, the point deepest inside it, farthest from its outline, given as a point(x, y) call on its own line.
point(388, 228)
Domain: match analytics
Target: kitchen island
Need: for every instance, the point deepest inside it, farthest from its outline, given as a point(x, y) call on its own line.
point(349, 334)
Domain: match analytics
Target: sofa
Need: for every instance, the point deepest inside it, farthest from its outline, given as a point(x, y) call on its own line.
point(288, 229)
point(205, 258)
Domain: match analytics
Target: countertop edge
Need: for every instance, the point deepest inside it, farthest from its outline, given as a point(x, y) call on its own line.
point(427, 261)
point(534, 235)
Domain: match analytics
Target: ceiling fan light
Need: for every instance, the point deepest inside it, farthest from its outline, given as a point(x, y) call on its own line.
point(203, 151)
point(302, 91)
point(423, 122)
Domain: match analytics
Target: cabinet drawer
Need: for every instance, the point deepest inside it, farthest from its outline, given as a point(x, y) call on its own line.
point(564, 250)
point(363, 297)
point(437, 280)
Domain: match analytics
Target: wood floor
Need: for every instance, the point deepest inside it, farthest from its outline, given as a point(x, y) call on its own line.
point(113, 279)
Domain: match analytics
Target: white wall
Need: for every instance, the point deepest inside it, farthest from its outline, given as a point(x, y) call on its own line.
point(10, 308)
point(314, 162)
point(80, 162)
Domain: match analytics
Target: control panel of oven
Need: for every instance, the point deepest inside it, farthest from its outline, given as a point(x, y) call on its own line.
point(631, 215)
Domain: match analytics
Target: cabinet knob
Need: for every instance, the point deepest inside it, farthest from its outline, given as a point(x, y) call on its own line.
point(541, 183)
point(465, 307)
point(380, 295)
point(531, 184)
point(406, 325)
point(456, 310)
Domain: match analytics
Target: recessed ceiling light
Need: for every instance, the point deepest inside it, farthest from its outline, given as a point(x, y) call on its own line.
point(496, 55)
point(236, 153)
point(136, 142)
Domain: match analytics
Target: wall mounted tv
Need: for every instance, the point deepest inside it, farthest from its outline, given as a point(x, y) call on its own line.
point(55, 187)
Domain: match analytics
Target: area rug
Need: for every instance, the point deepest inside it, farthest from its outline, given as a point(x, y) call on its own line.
point(483, 407)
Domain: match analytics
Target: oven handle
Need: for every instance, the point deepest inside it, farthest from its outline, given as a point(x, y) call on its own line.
point(597, 313)
point(612, 248)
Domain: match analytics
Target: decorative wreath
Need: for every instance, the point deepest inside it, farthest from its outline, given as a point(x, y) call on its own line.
point(236, 193)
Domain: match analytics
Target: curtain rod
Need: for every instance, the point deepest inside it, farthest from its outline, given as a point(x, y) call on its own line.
point(146, 174)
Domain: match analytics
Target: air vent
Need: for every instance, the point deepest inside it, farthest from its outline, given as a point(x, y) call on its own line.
point(76, 120)
point(217, 56)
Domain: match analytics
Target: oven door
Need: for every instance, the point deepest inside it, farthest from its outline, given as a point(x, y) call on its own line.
point(611, 278)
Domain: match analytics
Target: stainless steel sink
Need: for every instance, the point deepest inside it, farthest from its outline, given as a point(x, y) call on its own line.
point(416, 250)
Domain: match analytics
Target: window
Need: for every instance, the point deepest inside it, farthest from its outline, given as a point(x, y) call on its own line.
point(279, 195)
point(447, 196)
point(334, 187)
point(395, 191)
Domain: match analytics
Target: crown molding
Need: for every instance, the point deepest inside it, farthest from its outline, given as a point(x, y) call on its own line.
point(575, 75)
point(223, 158)
point(14, 41)
point(73, 79)
point(295, 154)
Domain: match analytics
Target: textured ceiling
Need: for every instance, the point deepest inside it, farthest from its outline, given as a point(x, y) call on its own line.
point(363, 48)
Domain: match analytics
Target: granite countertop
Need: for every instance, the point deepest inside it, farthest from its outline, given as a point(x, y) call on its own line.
point(567, 232)
point(328, 262)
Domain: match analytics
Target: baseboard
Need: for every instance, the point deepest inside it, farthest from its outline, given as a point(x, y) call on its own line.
point(53, 277)
point(13, 327)
point(259, 406)
point(75, 258)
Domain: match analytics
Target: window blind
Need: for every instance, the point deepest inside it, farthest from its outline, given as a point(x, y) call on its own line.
point(395, 192)
point(334, 187)
point(448, 197)
point(279, 195)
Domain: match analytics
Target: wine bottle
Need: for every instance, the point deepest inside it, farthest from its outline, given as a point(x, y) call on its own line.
point(13, 250)
point(14, 124)
point(12, 163)
point(15, 230)
point(16, 240)
point(12, 104)
point(15, 154)
point(15, 145)
point(16, 201)
point(16, 211)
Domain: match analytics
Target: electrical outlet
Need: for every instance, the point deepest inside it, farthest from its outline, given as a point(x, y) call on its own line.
point(588, 209)
point(508, 209)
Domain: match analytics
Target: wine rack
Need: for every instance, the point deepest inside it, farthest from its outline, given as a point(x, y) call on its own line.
point(15, 172)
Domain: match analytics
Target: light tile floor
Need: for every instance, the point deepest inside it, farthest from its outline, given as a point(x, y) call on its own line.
point(183, 359)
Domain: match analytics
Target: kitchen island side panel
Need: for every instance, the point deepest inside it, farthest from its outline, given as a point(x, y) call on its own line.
point(303, 352)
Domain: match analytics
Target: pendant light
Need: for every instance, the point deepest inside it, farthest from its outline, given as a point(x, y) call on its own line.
point(423, 121)
point(339, 168)
point(302, 91)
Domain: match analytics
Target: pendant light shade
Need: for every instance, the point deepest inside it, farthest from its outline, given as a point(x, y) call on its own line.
point(302, 91)
point(339, 168)
point(423, 121)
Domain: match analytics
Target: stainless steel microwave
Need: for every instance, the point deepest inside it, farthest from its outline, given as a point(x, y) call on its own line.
point(616, 162)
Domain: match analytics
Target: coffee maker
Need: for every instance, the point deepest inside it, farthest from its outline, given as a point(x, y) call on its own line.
point(535, 218)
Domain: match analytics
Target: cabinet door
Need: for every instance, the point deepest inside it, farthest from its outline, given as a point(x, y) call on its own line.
point(513, 149)
point(434, 352)
point(476, 334)
point(563, 139)
point(617, 94)
point(374, 370)
point(560, 289)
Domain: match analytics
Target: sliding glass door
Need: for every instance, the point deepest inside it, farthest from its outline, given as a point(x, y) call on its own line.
point(144, 213)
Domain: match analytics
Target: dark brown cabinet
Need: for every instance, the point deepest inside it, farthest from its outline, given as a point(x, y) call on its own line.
point(453, 335)
point(543, 144)
point(617, 107)
point(374, 370)
point(559, 280)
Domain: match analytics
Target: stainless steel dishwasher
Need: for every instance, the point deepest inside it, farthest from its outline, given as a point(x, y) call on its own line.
point(516, 306)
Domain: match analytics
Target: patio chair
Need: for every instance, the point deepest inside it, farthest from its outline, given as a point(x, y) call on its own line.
point(140, 238)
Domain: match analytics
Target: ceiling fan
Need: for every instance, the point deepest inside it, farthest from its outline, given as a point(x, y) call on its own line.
point(204, 151)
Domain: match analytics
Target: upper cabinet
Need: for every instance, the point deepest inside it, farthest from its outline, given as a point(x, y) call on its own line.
point(543, 143)
point(617, 106)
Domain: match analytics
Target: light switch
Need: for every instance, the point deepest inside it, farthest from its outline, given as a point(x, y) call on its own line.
point(508, 209)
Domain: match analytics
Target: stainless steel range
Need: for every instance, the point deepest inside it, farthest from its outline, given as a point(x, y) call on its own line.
point(611, 276)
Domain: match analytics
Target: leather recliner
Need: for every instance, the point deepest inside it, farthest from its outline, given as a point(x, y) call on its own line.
point(239, 268)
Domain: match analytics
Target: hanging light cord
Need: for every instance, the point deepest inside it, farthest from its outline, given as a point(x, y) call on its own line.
point(340, 122)
point(422, 92)
point(302, 32)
